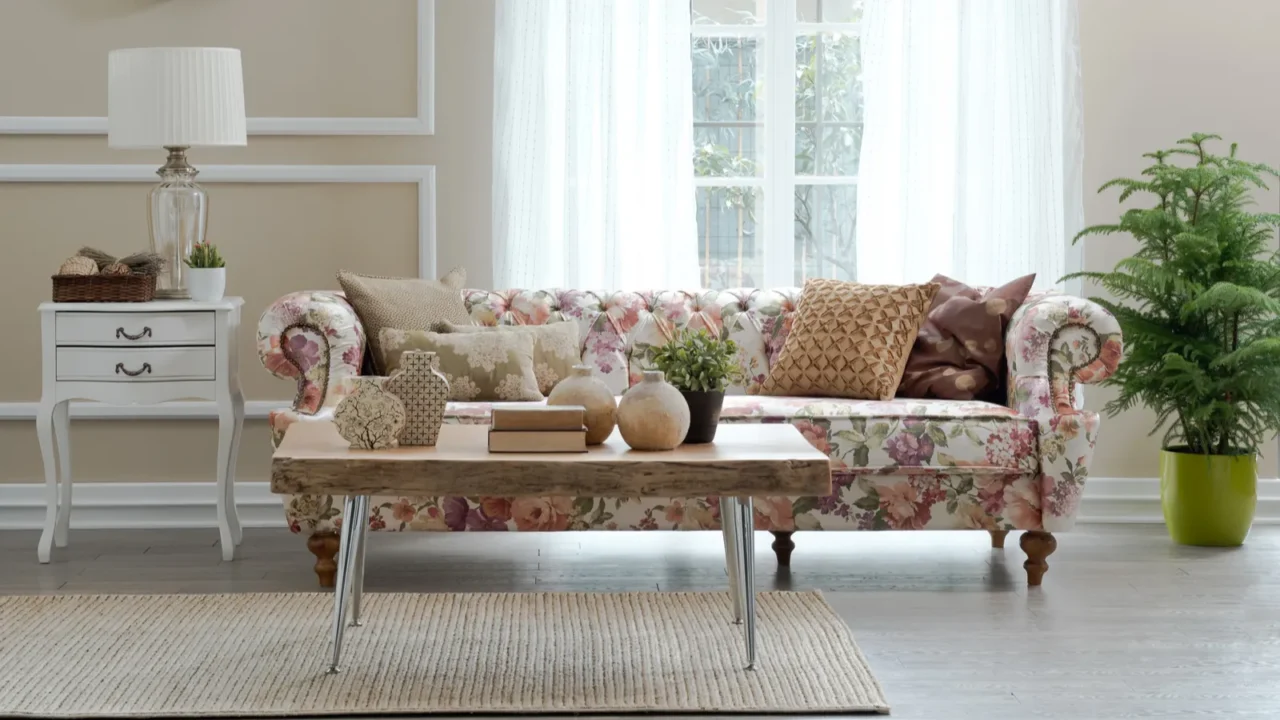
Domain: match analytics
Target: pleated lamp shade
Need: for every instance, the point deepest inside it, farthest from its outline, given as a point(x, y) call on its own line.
point(161, 97)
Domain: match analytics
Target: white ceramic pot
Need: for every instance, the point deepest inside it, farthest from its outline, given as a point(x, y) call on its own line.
point(653, 415)
point(583, 388)
point(206, 284)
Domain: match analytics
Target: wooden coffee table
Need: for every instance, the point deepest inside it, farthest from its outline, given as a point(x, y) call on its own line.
point(745, 460)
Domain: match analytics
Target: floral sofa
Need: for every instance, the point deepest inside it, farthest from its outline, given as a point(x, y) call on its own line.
point(904, 464)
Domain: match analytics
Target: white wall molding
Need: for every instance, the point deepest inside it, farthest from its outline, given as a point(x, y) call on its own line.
point(184, 410)
point(422, 175)
point(422, 124)
point(191, 505)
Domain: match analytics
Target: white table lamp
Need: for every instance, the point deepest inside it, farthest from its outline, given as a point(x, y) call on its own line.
point(175, 98)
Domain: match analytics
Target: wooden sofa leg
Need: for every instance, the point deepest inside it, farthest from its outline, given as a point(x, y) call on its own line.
point(997, 538)
point(324, 545)
point(1038, 545)
point(782, 546)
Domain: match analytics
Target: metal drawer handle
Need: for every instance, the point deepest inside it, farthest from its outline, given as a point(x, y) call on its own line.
point(120, 333)
point(146, 368)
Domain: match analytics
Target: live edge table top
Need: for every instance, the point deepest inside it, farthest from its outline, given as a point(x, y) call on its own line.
point(743, 460)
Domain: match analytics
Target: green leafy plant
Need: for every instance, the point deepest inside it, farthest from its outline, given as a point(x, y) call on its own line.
point(1199, 301)
point(204, 255)
point(697, 361)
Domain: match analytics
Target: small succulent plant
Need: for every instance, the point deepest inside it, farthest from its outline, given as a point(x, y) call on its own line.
point(697, 361)
point(204, 255)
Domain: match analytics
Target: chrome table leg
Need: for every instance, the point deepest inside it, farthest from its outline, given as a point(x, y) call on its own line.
point(342, 589)
point(357, 581)
point(747, 574)
point(729, 531)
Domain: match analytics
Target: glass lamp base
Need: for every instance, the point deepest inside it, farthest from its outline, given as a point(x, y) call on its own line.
point(179, 216)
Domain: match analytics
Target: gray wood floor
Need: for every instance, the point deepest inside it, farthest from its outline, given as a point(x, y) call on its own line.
point(1126, 625)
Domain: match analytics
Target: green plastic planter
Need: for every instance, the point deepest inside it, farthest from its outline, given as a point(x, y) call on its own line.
point(1208, 499)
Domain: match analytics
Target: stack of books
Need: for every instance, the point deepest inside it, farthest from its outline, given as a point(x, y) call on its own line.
point(538, 429)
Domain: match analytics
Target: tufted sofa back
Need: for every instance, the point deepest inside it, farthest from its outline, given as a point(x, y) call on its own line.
point(618, 330)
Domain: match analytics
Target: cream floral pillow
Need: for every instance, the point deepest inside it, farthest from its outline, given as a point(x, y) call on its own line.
point(555, 347)
point(478, 366)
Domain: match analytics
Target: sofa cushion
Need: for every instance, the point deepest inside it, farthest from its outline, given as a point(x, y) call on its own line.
point(849, 340)
point(478, 366)
point(959, 352)
point(880, 436)
point(555, 347)
point(409, 303)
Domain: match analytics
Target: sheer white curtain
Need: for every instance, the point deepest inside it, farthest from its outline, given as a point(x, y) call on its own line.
point(972, 156)
point(593, 145)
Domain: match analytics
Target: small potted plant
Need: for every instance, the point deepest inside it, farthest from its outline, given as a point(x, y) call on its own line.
point(700, 366)
point(206, 274)
point(1199, 303)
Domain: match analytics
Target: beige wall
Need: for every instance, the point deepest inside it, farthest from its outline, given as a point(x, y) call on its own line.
point(303, 58)
point(1154, 70)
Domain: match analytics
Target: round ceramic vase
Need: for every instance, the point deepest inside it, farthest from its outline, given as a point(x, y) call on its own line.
point(1208, 499)
point(583, 388)
point(370, 417)
point(653, 415)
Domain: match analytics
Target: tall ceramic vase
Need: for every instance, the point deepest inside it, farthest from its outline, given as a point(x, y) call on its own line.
point(585, 389)
point(424, 391)
point(653, 415)
point(370, 417)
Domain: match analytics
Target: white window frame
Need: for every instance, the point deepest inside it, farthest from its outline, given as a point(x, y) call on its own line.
point(778, 179)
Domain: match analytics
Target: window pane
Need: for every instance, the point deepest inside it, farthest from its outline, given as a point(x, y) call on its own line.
point(724, 79)
point(826, 218)
point(806, 148)
point(840, 78)
point(725, 151)
point(730, 249)
point(728, 12)
point(832, 11)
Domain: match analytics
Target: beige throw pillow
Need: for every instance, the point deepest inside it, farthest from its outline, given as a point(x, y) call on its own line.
point(555, 347)
point(478, 366)
point(393, 302)
point(849, 340)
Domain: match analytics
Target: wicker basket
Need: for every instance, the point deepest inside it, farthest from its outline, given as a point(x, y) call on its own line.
point(104, 288)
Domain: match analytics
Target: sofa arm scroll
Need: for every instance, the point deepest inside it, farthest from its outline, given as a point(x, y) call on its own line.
point(1054, 342)
point(315, 339)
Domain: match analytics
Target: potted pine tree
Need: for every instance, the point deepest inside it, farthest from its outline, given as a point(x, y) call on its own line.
point(1199, 303)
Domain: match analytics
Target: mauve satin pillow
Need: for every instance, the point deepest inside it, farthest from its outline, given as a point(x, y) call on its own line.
point(959, 351)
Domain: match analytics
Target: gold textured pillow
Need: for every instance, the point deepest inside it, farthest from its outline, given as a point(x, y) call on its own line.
point(478, 366)
point(395, 302)
point(555, 347)
point(849, 340)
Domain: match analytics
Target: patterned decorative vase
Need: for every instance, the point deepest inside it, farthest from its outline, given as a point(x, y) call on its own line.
point(424, 391)
point(583, 388)
point(370, 417)
point(653, 415)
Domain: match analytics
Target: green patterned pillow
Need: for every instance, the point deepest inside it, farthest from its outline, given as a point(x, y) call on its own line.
point(478, 366)
point(555, 347)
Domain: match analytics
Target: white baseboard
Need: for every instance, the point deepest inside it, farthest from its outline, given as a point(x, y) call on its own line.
point(191, 505)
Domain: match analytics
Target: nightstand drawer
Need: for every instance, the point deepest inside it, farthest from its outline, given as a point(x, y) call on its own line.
point(134, 329)
point(135, 364)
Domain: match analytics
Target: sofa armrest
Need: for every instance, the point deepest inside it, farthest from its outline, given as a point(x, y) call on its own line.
point(315, 339)
point(1054, 342)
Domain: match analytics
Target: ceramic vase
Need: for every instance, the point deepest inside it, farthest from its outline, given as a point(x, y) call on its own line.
point(585, 389)
point(424, 391)
point(653, 415)
point(206, 284)
point(370, 417)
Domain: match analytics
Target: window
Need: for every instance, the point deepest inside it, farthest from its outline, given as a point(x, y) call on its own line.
point(777, 116)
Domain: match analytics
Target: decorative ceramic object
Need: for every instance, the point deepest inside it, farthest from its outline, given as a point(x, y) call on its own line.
point(78, 266)
point(424, 391)
point(206, 284)
point(583, 388)
point(370, 418)
point(653, 415)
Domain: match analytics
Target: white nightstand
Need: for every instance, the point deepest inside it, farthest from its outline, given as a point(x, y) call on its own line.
point(137, 354)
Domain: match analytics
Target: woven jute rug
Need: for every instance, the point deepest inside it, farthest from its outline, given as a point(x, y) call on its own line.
point(517, 653)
